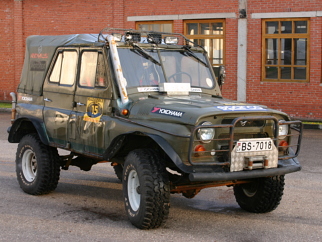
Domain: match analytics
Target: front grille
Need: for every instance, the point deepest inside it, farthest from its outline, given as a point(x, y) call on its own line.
point(238, 136)
point(218, 151)
point(244, 123)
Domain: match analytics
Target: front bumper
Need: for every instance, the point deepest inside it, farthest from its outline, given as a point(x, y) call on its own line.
point(284, 167)
point(286, 163)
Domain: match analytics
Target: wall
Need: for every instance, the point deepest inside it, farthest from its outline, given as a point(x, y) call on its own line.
point(297, 99)
point(7, 58)
point(21, 18)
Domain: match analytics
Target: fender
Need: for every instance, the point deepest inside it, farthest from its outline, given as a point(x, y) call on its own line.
point(26, 125)
point(167, 148)
point(118, 141)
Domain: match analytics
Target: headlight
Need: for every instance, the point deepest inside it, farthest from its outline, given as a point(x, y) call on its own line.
point(206, 134)
point(283, 131)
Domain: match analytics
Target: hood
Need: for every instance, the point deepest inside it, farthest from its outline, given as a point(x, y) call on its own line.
point(189, 109)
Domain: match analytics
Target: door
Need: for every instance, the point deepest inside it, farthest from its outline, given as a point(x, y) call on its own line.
point(59, 89)
point(93, 101)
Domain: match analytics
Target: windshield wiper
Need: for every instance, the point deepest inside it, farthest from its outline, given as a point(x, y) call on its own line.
point(146, 55)
point(190, 53)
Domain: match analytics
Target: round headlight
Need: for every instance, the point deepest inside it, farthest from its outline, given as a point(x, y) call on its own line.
point(283, 131)
point(206, 134)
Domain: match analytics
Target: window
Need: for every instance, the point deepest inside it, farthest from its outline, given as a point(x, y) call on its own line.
point(209, 34)
point(92, 71)
point(285, 50)
point(160, 26)
point(64, 71)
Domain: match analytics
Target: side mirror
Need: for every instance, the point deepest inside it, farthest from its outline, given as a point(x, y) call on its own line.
point(221, 75)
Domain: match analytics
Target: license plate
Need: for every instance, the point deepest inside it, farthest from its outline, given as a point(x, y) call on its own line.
point(254, 145)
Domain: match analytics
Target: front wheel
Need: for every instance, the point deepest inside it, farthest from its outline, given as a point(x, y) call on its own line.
point(146, 189)
point(261, 195)
point(37, 166)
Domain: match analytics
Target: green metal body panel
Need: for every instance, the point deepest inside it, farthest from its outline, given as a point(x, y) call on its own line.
point(91, 122)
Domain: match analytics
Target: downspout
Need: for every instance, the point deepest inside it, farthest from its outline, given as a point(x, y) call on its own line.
point(121, 81)
point(242, 52)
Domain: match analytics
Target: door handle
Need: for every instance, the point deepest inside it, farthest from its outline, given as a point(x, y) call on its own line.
point(80, 104)
point(47, 100)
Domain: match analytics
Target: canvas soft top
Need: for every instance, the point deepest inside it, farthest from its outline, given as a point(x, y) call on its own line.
point(39, 53)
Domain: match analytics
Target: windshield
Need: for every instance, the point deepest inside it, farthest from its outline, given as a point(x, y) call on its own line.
point(179, 67)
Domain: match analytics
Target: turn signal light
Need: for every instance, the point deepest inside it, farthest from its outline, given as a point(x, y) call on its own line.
point(199, 149)
point(125, 112)
point(283, 145)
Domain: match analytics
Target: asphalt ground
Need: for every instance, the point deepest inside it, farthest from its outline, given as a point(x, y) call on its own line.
point(88, 206)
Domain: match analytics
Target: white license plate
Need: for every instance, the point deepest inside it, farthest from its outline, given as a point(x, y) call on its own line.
point(254, 145)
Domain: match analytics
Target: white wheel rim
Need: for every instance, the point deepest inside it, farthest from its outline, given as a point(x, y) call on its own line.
point(250, 191)
point(133, 186)
point(29, 165)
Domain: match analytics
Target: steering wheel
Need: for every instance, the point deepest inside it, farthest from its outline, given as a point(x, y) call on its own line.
point(179, 73)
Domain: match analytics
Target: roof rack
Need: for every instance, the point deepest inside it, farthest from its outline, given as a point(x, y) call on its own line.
point(102, 37)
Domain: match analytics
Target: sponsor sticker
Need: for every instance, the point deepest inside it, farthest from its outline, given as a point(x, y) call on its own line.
point(37, 65)
point(28, 99)
point(241, 108)
point(195, 89)
point(148, 89)
point(168, 112)
point(156, 89)
point(94, 110)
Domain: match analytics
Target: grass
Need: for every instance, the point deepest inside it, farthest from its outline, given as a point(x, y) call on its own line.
point(5, 105)
point(319, 123)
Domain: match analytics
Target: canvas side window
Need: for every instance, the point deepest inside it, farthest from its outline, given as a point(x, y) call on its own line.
point(101, 72)
point(68, 72)
point(93, 70)
point(64, 71)
point(88, 69)
point(55, 74)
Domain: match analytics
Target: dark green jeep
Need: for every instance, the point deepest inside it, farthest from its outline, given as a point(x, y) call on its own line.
point(150, 105)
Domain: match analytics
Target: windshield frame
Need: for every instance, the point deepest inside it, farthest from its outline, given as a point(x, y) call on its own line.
point(148, 49)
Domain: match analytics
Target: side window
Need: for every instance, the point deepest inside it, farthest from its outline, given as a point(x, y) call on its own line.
point(55, 74)
point(100, 72)
point(93, 70)
point(68, 72)
point(64, 71)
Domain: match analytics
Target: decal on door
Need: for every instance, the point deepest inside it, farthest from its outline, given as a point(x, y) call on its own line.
point(94, 110)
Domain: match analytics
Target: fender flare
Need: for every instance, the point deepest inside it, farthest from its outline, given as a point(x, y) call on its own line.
point(15, 132)
point(117, 142)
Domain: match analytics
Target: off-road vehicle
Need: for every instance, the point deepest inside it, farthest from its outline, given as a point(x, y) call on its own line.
point(149, 104)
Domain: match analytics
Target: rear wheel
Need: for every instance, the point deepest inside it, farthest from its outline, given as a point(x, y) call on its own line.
point(146, 189)
point(37, 166)
point(260, 196)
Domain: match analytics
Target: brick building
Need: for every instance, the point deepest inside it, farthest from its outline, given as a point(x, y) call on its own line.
point(272, 49)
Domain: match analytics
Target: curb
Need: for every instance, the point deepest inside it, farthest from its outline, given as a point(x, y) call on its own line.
point(312, 126)
point(6, 110)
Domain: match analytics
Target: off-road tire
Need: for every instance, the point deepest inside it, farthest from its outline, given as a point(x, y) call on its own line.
point(118, 169)
point(146, 189)
point(260, 196)
point(37, 166)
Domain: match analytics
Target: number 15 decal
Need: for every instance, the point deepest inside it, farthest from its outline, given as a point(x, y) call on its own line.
point(94, 110)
